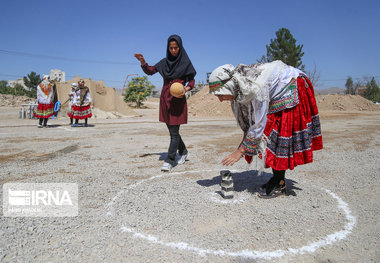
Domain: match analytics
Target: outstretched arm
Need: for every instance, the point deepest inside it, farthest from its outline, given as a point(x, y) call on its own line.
point(149, 70)
point(140, 58)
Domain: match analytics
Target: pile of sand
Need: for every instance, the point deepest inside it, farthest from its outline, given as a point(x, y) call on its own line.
point(338, 102)
point(104, 99)
point(203, 104)
point(14, 101)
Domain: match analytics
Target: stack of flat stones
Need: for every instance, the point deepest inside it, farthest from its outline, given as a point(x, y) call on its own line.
point(227, 184)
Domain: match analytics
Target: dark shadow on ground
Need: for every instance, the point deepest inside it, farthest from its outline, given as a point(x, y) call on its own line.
point(54, 125)
point(162, 156)
point(250, 181)
point(81, 125)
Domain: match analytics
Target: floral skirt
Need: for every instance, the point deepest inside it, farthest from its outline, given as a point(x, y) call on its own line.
point(293, 134)
point(44, 111)
point(80, 112)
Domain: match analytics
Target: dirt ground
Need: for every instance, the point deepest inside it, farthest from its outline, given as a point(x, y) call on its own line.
point(129, 211)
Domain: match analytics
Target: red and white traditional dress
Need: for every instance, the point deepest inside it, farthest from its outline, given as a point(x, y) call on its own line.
point(81, 105)
point(45, 96)
point(276, 108)
point(74, 86)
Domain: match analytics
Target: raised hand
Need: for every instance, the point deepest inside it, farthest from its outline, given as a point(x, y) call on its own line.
point(140, 58)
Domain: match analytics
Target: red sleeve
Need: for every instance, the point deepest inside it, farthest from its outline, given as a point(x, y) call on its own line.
point(191, 84)
point(149, 70)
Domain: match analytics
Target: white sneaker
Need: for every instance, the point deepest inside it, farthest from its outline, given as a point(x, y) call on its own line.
point(166, 167)
point(183, 158)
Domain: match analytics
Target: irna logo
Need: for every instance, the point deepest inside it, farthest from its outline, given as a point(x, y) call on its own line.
point(39, 197)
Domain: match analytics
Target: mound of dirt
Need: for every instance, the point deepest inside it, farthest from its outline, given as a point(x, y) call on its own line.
point(337, 102)
point(104, 98)
point(203, 104)
point(14, 101)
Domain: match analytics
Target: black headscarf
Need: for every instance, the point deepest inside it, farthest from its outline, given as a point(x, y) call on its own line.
point(179, 67)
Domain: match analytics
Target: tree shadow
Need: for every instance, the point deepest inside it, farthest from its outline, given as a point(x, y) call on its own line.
point(250, 181)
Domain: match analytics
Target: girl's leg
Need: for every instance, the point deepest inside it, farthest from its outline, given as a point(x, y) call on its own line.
point(181, 146)
point(174, 142)
point(275, 186)
point(71, 120)
point(76, 121)
point(40, 121)
point(85, 122)
point(45, 122)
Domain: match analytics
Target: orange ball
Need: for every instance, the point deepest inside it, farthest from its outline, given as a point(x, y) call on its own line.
point(177, 89)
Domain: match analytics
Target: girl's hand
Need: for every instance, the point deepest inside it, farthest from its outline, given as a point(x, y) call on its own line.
point(186, 89)
point(232, 158)
point(140, 58)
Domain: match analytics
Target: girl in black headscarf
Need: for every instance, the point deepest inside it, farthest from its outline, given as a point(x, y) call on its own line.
point(175, 67)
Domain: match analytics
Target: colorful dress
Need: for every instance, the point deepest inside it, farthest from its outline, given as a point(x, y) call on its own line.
point(276, 108)
point(45, 96)
point(71, 98)
point(81, 108)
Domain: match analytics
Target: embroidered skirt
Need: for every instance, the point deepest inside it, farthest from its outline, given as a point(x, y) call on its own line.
point(293, 134)
point(80, 112)
point(44, 111)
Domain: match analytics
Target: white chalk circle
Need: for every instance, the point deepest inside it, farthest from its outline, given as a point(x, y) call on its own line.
point(310, 247)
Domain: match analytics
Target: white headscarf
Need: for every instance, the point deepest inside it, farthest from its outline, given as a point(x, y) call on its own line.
point(220, 80)
point(245, 82)
point(45, 91)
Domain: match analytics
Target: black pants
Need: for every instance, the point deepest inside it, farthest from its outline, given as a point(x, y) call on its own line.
point(44, 120)
point(176, 143)
point(77, 121)
point(278, 175)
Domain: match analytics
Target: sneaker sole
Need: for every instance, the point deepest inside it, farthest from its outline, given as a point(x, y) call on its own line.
point(186, 159)
point(271, 196)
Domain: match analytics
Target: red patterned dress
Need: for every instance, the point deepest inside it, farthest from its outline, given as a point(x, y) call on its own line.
point(285, 122)
point(45, 96)
point(81, 108)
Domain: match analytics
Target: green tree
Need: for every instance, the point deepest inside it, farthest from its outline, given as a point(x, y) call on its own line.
point(350, 87)
point(137, 90)
point(284, 48)
point(4, 87)
point(372, 92)
point(32, 81)
point(17, 90)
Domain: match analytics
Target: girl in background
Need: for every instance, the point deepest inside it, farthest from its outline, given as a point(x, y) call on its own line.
point(45, 96)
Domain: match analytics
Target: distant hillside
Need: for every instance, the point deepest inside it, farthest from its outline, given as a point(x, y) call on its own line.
point(333, 90)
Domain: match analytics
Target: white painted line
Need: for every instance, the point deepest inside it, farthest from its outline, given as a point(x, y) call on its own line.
point(216, 198)
point(251, 254)
point(109, 205)
point(65, 129)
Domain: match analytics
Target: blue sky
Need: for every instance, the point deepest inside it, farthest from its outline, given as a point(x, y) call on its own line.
point(342, 38)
